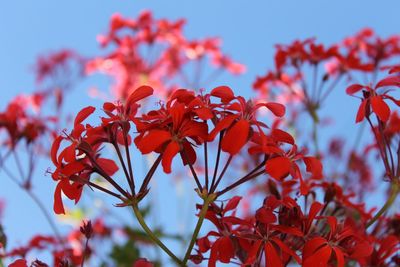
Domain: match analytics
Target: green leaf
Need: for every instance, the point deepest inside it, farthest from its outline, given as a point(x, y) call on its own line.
point(125, 255)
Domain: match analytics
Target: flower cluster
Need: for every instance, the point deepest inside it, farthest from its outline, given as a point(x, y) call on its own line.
point(281, 231)
point(156, 52)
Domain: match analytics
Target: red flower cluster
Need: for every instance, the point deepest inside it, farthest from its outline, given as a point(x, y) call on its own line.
point(22, 124)
point(364, 52)
point(280, 232)
point(167, 52)
point(66, 252)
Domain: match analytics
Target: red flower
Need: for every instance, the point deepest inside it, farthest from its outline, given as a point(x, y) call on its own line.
point(76, 162)
point(238, 119)
point(19, 263)
point(373, 100)
point(281, 165)
point(388, 246)
point(167, 131)
point(341, 242)
point(142, 263)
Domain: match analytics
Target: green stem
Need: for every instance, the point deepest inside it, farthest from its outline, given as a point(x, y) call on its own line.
point(315, 138)
point(210, 198)
point(389, 202)
point(151, 234)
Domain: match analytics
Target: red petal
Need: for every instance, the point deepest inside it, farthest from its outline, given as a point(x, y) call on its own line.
point(19, 263)
point(72, 168)
point(72, 191)
point(107, 106)
point(272, 258)
point(58, 206)
point(204, 113)
point(380, 108)
point(388, 246)
point(312, 246)
point(121, 139)
point(168, 155)
point(314, 209)
point(142, 263)
point(140, 93)
point(394, 70)
point(153, 140)
point(177, 112)
point(389, 81)
point(213, 256)
point(276, 108)
point(352, 89)
point(226, 249)
point(221, 125)
point(190, 153)
point(232, 203)
point(286, 249)
point(361, 111)
point(54, 149)
point(319, 258)
point(282, 136)
point(288, 230)
point(236, 137)
point(224, 93)
point(314, 166)
point(252, 252)
point(278, 167)
point(265, 215)
point(83, 114)
point(195, 129)
point(69, 153)
point(332, 221)
point(362, 250)
point(108, 165)
point(339, 257)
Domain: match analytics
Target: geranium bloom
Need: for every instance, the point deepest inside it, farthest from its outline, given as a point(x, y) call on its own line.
point(238, 118)
point(131, 67)
point(167, 131)
point(372, 100)
point(342, 241)
point(77, 161)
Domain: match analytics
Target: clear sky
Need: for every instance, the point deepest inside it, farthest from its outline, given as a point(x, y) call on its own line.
point(249, 30)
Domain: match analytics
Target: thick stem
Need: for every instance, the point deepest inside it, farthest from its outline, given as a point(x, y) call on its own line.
point(153, 236)
point(210, 198)
point(315, 138)
point(389, 202)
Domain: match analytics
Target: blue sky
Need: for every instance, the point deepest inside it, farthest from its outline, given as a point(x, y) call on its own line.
point(249, 30)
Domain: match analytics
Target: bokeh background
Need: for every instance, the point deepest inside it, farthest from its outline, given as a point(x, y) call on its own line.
point(249, 30)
